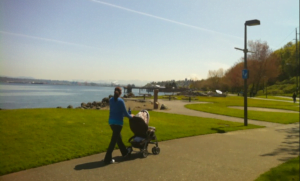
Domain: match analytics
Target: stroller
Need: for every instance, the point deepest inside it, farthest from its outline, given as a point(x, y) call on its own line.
point(143, 134)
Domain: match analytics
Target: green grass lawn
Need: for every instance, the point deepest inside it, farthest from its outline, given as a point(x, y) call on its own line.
point(219, 105)
point(35, 137)
point(276, 98)
point(286, 171)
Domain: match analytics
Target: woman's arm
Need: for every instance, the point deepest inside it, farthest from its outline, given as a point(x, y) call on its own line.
point(125, 113)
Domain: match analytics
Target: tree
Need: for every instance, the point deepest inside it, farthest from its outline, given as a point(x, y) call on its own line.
point(233, 77)
point(170, 85)
point(262, 65)
point(216, 73)
point(214, 78)
point(288, 61)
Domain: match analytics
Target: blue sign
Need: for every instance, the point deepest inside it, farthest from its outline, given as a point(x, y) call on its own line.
point(245, 74)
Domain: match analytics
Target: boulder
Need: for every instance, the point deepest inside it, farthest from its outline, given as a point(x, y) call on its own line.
point(163, 107)
point(105, 100)
point(83, 104)
point(58, 107)
point(94, 103)
point(130, 95)
point(70, 107)
point(89, 104)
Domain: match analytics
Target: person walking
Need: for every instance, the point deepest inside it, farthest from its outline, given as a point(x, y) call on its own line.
point(116, 113)
point(294, 97)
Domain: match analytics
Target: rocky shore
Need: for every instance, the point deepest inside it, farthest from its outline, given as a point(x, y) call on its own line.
point(132, 103)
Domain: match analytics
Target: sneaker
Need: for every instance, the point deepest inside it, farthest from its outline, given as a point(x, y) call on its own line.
point(111, 162)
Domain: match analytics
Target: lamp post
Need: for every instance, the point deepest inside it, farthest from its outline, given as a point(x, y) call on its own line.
point(247, 23)
point(245, 72)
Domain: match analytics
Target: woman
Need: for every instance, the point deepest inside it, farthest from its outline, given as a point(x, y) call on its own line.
point(116, 114)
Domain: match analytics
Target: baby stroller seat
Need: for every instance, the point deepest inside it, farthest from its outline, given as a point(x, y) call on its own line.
point(143, 135)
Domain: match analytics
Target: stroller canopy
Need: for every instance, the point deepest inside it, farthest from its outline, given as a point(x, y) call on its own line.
point(138, 126)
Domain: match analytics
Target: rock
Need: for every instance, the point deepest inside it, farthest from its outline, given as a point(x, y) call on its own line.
point(94, 103)
point(163, 107)
point(98, 108)
point(89, 104)
point(83, 104)
point(110, 96)
point(70, 107)
point(58, 107)
point(105, 100)
point(130, 95)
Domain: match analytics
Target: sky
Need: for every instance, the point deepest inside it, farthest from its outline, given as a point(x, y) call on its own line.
point(135, 41)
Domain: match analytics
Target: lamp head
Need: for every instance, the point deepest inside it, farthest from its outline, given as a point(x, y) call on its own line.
point(252, 22)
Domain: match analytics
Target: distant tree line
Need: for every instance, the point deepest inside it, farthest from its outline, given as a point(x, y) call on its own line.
point(265, 68)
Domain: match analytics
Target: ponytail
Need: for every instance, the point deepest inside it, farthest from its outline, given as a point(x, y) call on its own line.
point(117, 93)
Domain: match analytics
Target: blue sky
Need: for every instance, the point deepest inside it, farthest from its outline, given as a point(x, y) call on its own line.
point(135, 41)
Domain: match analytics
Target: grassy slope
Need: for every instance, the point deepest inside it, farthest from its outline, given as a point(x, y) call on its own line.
point(220, 106)
point(35, 137)
point(286, 171)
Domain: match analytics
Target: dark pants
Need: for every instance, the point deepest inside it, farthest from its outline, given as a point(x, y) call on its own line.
point(115, 139)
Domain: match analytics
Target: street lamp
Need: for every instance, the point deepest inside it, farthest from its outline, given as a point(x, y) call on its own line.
point(245, 72)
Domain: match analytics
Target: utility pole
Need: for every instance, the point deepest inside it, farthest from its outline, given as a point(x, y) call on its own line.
point(297, 72)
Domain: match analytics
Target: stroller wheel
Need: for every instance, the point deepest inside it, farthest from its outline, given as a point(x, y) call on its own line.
point(157, 150)
point(145, 153)
point(154, 150)
point(129, 150)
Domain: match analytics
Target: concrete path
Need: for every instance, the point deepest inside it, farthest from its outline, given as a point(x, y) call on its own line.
point(233, 156)
point(177, 107)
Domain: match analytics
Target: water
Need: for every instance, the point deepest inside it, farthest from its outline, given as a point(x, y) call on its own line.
point(18, 96)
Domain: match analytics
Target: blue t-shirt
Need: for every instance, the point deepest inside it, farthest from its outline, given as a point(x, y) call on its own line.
point(117, 111)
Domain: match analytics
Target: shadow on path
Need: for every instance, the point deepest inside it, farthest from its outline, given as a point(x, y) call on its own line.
point(99, 164)
point(90, 165)
point(290, 146)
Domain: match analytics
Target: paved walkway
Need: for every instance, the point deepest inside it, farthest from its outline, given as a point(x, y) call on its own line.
point(233, 156)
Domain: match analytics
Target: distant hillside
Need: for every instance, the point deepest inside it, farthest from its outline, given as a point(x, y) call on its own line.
point(286, 87)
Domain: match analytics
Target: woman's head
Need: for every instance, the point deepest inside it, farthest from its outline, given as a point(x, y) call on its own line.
point(117, 93)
